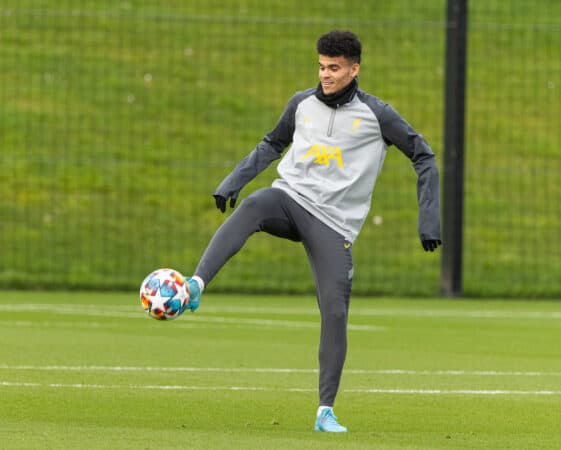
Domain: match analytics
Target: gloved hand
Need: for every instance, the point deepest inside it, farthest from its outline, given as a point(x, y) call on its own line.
point(221, 200)
point(430, 245)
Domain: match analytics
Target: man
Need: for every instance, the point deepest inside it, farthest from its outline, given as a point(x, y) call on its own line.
point(338, 136)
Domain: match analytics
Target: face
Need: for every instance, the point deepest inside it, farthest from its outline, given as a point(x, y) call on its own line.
point(335, 73)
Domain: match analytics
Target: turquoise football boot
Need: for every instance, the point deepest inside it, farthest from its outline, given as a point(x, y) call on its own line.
point(327, 422)
point(194, 295)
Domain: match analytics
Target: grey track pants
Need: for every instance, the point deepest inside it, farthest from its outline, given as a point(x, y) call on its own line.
point(330, 256)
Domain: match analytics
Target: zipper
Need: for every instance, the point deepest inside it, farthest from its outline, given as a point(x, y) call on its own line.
point(331, 122)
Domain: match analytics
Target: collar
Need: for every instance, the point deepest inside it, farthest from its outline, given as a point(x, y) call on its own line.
point(339, 98)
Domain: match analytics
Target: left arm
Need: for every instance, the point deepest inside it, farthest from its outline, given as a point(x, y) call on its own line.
point(398, 132)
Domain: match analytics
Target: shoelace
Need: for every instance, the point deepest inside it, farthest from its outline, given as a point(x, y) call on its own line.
point(330, 418)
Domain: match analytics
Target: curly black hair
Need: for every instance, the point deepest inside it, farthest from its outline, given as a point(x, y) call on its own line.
point(340, 43)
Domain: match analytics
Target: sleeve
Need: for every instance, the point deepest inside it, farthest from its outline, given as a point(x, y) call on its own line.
point(266, 151)
point(396, 131)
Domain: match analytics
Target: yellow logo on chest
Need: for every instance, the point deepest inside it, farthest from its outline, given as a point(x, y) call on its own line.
point(323, 154)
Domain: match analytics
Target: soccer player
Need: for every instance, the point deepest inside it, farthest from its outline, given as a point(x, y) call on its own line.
point(338, 137)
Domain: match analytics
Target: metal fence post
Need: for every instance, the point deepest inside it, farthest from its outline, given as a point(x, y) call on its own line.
point(453, 162)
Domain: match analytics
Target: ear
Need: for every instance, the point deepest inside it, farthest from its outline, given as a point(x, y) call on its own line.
point(355, 68)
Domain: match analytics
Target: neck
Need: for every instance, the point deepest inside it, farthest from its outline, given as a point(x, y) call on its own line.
point(345, 95)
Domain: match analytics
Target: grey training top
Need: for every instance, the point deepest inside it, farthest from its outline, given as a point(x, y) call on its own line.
point(335, 157)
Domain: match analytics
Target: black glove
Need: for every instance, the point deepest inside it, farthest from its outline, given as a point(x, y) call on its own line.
point(221, 201)
point(430, 245)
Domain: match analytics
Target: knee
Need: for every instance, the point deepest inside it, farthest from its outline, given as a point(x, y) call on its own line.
point(249, 203)
point(254, 202)
point(334, 312)
point(334, 301)
point(333, 328)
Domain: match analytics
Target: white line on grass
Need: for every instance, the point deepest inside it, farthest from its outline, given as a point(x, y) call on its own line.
point(187, 322)
point(288, 370)
point(394, 312)
point(127, 311)
point(451, 392)
point(493, 392)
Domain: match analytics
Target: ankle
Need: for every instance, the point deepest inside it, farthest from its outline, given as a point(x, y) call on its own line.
point(200, 282)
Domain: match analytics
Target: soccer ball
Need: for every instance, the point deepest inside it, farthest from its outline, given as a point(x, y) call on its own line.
point(164, 294)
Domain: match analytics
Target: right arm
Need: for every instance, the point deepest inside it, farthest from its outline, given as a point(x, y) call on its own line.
point(267, 151)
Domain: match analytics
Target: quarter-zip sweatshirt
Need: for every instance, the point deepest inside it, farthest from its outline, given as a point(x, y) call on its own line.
point(336, 154)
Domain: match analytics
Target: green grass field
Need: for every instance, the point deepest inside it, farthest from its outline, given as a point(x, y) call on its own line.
point(91, 371)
